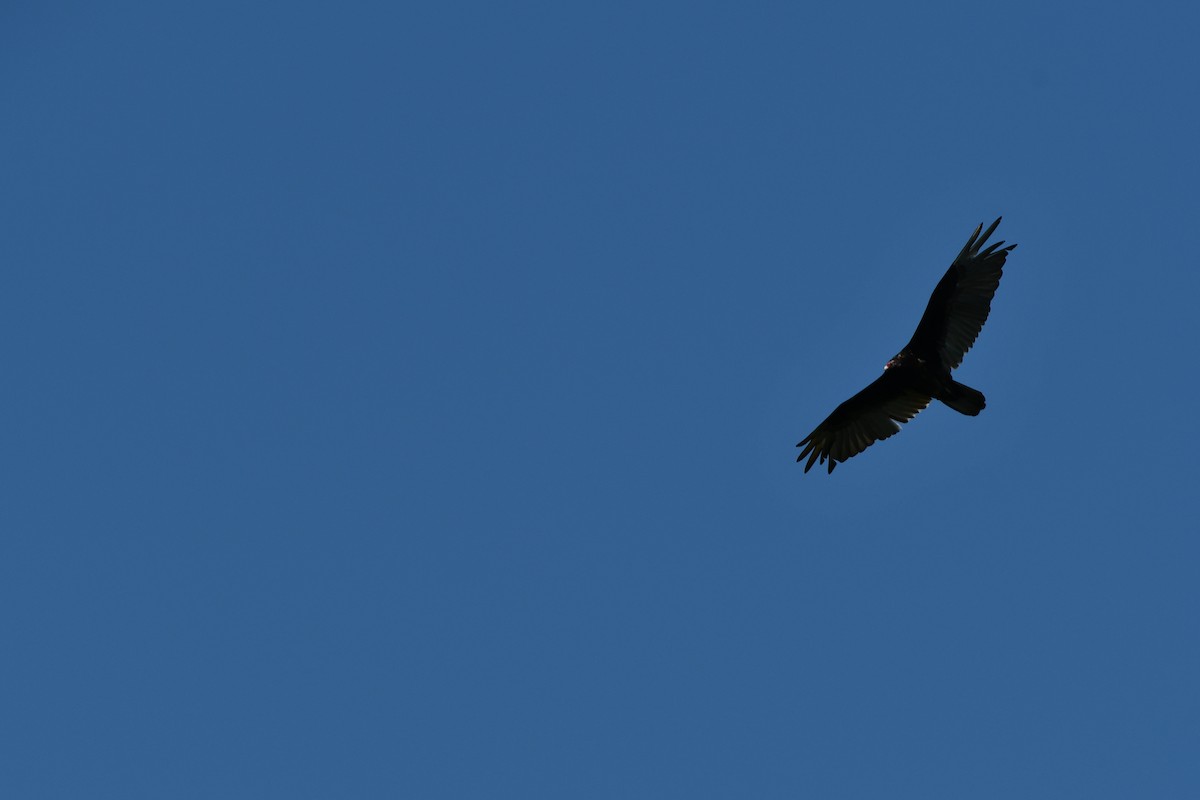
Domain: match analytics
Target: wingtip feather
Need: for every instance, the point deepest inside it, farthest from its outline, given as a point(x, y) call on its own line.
point(990, 231)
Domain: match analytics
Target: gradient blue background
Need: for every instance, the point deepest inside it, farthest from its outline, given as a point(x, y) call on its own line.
point(399, 401)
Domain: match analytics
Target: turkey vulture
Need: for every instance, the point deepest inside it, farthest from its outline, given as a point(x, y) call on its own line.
point(921, 371)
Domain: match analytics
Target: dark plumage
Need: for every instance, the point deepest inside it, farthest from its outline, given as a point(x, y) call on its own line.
point(921, 371)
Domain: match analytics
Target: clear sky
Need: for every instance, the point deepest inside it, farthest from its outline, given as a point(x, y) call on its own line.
point(401, 401)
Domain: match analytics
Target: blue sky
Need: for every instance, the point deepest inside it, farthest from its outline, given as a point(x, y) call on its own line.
point(401, 402)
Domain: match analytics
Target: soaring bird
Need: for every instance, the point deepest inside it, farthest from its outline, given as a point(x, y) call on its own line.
point(921, 371)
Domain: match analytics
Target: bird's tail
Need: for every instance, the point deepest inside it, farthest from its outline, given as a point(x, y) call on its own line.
point(964, 399)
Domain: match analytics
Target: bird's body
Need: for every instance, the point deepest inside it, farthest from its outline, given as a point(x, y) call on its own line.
point(921, 371)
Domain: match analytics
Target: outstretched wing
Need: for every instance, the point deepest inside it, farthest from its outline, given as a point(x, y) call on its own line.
point(960, 304)
point(870, 416)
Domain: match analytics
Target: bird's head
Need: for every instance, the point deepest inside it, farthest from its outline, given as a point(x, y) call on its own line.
point(896, 361)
